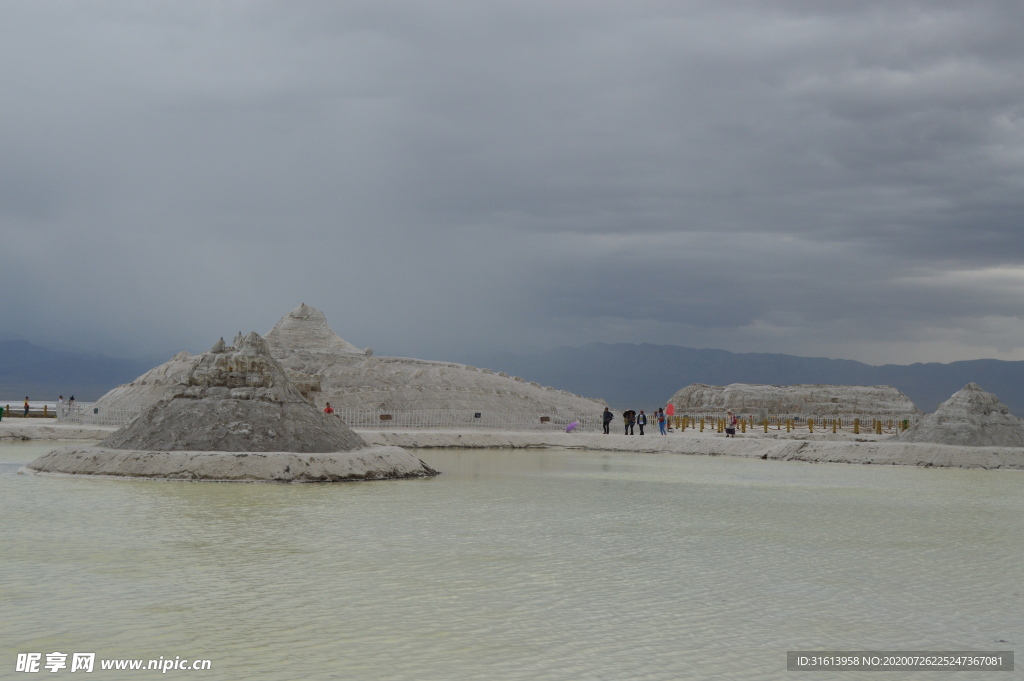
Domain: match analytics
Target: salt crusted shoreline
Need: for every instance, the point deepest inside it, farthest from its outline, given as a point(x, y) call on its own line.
point(368, 463)
point(818, 448)
point(881, 451)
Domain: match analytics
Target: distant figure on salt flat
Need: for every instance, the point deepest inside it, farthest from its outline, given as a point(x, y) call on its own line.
point(730, 424)
point(328, 409)
point(607, 419)
point(71, 404)
point(629, 416)
point(60, 405)
point(641, 421)
point(661, 421)
point(26, 405)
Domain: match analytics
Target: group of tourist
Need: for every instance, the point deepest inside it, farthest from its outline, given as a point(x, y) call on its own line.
point(631, 420)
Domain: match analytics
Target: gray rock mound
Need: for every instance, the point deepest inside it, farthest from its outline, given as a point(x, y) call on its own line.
point(236, 400)
point(970, 417)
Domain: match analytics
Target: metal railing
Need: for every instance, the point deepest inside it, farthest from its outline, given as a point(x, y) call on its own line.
point(87, 413)
point(456, 418)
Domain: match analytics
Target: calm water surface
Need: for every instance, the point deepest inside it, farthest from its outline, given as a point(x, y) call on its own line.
point(529, 564)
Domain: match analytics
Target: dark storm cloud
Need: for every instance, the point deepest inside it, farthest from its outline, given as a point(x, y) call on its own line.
point(837, 179)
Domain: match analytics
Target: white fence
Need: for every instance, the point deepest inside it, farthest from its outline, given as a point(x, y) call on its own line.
point(89, 414)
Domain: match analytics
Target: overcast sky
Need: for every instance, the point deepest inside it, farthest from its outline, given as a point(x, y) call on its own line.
point(840, 179)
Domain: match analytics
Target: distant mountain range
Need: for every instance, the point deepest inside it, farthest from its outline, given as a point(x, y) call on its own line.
point(27, 369)
point(645, 376)
point(626, 375)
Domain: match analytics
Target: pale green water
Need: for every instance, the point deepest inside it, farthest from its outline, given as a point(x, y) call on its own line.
point(515, 565)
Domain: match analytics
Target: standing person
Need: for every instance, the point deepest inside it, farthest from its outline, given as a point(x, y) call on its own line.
point(606, 418)
point(661, 421)
point(328, 409)
point(730, 424)
point(26, 405)
point(60, 405)
point(71, 404)
point(641, 421)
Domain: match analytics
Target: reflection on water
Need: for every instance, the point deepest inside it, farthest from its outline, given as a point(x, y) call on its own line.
point(528, 564)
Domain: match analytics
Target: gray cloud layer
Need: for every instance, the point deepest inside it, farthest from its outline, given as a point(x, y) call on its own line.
point(839, 179)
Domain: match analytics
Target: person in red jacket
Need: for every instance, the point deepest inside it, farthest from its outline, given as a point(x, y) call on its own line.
point(328, 409)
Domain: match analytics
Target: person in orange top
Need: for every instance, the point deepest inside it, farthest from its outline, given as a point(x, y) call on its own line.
point(328, 409)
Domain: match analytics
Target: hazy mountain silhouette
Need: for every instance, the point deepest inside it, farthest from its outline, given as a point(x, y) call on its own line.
point(645, 376)
point(42, 374)
point(627, 375)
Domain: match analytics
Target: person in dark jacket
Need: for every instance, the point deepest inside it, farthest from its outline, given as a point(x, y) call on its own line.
point(641, 420)
point(607, 419)
point(629, 417)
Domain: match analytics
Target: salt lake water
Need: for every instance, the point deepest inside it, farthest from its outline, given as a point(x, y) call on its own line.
point(527, 564)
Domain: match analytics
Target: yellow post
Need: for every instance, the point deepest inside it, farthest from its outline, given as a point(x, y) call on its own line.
point(702, 424)
point(810, 425)
point(766, 425)
point(879, 428)
point(788, 422)
point(743, 426)
point(45, 411)
point(833, 425)
point(856, 426)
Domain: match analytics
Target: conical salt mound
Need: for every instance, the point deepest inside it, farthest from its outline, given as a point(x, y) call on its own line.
point(305, 329)
point(970, 417)
point(235, 417)
point(236, 400)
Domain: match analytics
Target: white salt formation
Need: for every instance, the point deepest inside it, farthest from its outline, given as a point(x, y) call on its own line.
point(237, 400)
point(970, 417)
point(325, 368)
point(236, 416)
point(336, 372)
point(804, 401)
point(150, 387)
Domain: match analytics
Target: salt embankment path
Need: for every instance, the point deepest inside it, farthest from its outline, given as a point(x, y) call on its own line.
point(817, 448)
